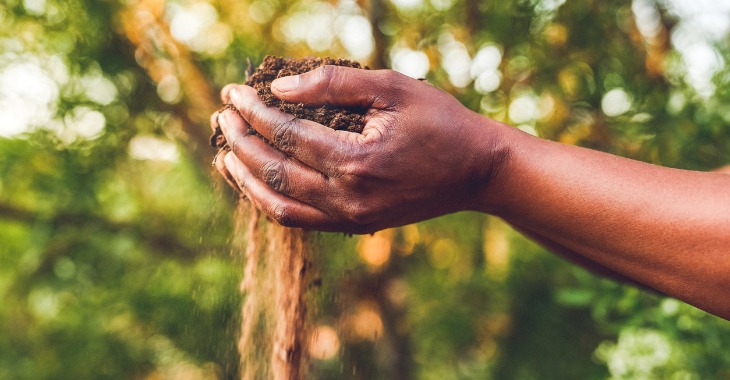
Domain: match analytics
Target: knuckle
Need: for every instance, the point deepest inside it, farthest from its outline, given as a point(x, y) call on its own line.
point(331, 77)
point(353, 172)
point(358, 169)
point(274, 176)
point(235, 145)
point(337, 159)
point(254, 113)
point(358, 215)
point(282, 215)
point(282, 135)
point(327, 72)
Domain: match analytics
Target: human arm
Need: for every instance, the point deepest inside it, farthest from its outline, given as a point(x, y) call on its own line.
point(422, 155)
point(668, 229)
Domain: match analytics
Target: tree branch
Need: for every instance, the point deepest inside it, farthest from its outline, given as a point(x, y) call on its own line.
point(161, 56)
point(376, 14)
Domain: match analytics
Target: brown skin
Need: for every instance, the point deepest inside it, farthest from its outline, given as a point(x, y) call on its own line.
point(422, 154)
point(360, 183)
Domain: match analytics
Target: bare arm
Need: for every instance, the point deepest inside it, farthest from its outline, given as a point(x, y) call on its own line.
point(580, 260)
point(422, 155)
point(666, 228)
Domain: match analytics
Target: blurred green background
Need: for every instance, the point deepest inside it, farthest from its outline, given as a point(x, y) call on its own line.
point(118, 257)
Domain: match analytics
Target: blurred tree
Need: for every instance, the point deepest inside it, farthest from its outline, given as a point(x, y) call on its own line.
point(116, 258)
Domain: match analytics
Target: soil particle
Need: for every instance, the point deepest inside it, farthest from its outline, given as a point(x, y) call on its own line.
point(347, 119)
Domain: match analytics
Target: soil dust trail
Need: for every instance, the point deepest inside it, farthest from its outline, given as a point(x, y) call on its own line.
point(274, 329)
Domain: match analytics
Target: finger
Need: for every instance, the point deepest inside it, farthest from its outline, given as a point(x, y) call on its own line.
point(286, 211)
point(214, 121)
point(224, 92)
point(281, 173)
point(317, 146)
point(342, 86)
point(220, 165)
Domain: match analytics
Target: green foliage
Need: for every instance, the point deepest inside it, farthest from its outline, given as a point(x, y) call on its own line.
point(115, 253)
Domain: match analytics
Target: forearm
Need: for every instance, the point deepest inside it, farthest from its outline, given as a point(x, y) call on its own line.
point(666, 228)
point(578, 259)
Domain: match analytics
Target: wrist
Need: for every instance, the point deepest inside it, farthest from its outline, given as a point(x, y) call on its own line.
point(499, 152)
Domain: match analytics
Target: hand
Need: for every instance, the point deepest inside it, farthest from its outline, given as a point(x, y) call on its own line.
point(421, 154)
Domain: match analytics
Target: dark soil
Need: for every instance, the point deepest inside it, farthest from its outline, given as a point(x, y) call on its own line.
point(347, 119)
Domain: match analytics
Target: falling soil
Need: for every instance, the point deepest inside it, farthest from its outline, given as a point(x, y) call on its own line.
point(338, 118)
point(274, 326)
point(278, 267)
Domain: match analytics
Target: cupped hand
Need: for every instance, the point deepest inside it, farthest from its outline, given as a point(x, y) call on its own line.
point(421, 154)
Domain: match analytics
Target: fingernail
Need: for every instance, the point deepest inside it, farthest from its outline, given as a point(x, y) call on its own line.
point(223, 119)
point(228, 160)
point(235, 96)
point(285, 84)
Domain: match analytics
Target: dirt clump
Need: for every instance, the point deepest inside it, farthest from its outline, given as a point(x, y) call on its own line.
point(348, 119)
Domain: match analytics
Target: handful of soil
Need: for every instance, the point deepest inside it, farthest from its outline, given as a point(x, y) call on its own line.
point(348, 119)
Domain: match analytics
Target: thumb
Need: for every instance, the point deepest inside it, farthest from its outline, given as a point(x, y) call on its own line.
point(340, 86)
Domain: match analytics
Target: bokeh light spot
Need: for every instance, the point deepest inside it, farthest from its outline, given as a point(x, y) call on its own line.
point(615, 102)
point(145, 147)
point(324, 342)
point(413, 63)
